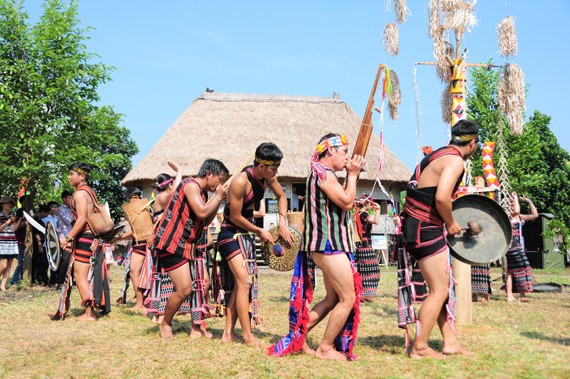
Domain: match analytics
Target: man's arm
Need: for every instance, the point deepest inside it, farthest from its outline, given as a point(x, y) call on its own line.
point(236, 194)
point(81, 200)
point(284, 232)
point(204, 211)
point(344, 196)
point(452, 170)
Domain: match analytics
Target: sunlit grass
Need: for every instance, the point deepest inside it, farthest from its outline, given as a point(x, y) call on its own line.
point(511, 340)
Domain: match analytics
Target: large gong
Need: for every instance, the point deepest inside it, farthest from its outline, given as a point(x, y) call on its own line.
point(494, 238)
point(286, 261)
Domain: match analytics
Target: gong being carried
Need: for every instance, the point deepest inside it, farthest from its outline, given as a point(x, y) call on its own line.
point(487, 230)
point(286, 261)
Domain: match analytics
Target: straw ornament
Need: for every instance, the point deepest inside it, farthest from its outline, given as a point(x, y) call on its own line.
point(507, 37)
point(390, 38)
point(446, 104)
point(401, 10)
point(434, 18)
point(512, 96)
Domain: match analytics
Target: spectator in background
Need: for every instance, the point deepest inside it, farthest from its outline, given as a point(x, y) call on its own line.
point(21, 239)
point(64, 221)
point(39, 259)
point(9, 224)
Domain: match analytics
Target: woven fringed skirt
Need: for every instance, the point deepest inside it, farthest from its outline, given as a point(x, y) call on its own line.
point(481, 279)
point(368, 267)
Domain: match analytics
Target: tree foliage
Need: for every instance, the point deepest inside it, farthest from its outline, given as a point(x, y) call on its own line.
point(49, 111)
point(537, 164)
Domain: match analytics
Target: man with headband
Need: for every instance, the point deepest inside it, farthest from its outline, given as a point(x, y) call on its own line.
point(84, 246)
point(426, 219)
point(236, 239)
point(327, 242)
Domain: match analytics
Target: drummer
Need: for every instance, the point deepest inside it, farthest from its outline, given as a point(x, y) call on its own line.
point(236, 237)
point(426, 218)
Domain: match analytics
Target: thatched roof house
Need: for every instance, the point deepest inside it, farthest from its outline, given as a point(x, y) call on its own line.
point(229, 127)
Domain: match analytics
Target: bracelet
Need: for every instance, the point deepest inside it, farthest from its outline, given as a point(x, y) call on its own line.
point(68, 239)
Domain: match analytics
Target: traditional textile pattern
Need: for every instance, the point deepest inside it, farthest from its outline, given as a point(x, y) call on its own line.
point(99, 293)
point(418, 282)
point(518, 265)
point(8, 241)
point(160, 290)
point(366, 259)
point(247, 246)
point(406, 294)
point(83, 250)
point(223, 284)
point(198, 298)
point(65, 294)
point(301, 296)
point(481, 279)
point(180, 228)
point(324, 220)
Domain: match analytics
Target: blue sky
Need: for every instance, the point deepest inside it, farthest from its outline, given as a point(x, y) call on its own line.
point(166, 53)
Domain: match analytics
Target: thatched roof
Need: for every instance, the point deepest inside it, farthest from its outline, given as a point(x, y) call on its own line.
point(229, 127)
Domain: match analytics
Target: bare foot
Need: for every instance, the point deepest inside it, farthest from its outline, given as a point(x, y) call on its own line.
point(524, 300)
point(165, 330)
point(428, 352)
point(511, 299)
point(3, 289)
point(229, 337)
point(198, 331)
point(307, 349)
point(253, 342)
point(330, 354)
point(137, 308)
point(458, 349)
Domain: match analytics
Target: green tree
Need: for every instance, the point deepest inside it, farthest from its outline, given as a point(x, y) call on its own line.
point(48, 105)
point(537, 164)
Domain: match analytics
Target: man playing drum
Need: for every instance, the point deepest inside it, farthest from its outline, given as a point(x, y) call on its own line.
point(426, 218)
point(236, 238)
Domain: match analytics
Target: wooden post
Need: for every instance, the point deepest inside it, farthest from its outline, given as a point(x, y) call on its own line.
point(28, 254)
point(462, 275)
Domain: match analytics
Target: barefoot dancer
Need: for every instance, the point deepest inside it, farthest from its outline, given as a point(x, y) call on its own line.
point(181, 229)
point(236, 240)
point(138, 257)
point(327, 241)
point(427, 215)
point(87, 255)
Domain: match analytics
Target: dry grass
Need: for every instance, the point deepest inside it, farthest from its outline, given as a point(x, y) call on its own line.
point(511, 340)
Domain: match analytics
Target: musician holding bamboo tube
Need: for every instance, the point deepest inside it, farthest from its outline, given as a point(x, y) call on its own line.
point(327, 242)
point(426, 220)
point(236, 239)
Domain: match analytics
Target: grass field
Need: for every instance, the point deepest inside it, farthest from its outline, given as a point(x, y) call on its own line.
point(511, 339)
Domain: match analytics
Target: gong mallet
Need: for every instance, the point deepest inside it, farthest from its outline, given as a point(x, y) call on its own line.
point(473, 228)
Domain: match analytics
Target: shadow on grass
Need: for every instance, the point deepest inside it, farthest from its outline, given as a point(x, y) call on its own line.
point(386, 343)
point(280, 299)
point(542, 337)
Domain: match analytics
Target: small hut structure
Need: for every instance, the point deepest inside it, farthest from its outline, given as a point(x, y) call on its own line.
point(229, 127)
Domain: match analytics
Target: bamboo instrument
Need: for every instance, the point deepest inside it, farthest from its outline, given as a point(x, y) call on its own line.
point(361, 144)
